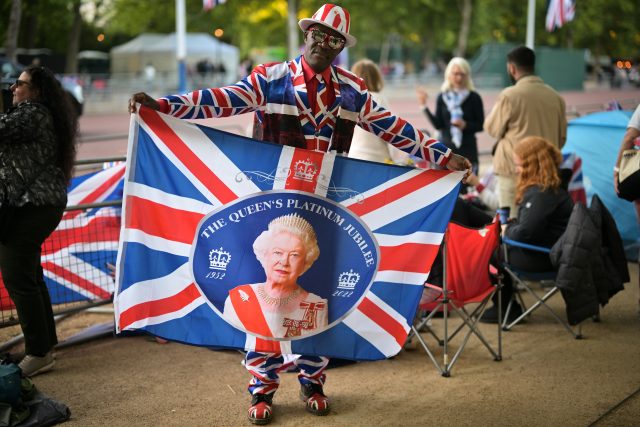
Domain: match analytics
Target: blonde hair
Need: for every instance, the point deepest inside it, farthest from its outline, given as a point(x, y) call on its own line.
point(464, 67)
point(540, 161)
point(368, 71)
point(295, 225)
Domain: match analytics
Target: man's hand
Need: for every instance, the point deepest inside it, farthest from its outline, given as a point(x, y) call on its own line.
point(459, 163)
point(144, 99)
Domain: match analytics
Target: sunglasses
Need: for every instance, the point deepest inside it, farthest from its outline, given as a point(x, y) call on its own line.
point(19, 83)
point(332, 41)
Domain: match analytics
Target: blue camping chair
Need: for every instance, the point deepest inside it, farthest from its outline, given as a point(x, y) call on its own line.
point(521, 280)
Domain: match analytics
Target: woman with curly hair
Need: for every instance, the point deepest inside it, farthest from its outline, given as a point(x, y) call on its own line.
point(544, 208)
point(37, 151)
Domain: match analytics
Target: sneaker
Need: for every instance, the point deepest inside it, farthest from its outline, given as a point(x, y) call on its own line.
point(260, 411)
point(491, 314)
point(33, 365)
point(316, 401)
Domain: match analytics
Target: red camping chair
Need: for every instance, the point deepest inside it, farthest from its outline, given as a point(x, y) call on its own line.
point(466, 282)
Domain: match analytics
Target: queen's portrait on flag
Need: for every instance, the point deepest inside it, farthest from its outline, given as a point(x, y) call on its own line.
point(279, 307)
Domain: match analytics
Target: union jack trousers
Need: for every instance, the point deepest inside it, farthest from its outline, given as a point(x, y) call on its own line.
point(265, 367)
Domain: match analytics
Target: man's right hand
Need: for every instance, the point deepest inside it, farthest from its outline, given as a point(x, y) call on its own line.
point(144, 99)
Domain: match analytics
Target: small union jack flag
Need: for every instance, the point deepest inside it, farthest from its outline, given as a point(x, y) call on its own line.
point(573, 162)
point(210, 4)
point(559, 12)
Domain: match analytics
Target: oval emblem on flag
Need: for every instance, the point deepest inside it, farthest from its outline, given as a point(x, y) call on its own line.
point(283, 264)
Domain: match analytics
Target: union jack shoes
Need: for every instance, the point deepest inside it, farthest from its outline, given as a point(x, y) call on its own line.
point(260, 412)
point(316, 401)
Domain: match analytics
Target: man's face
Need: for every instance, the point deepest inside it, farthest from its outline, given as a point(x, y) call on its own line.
point(318, 54)
point(285, 259)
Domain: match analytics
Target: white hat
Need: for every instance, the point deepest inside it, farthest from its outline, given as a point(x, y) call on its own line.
point(334, 17)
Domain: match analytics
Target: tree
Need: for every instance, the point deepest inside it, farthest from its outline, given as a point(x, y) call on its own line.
point(11, 42)
point(465, 24)
point(71, 66)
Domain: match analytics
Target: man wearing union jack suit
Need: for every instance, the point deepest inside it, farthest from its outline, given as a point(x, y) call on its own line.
point(306, 103)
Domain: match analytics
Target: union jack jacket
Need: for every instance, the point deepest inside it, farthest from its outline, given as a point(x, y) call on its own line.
point(277, 94)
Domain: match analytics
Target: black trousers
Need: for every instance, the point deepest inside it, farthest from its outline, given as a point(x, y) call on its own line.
point(22, 274)
point(526, 260)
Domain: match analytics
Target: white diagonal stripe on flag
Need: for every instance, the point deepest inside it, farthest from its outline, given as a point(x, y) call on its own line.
point(400, 277)
point(423, 237)
point(403, 206)
point(84, 220)
point(72, 286)
point(154, 320)
point(170, 200)
point(372, 332)
point(214, 158)
point(156, 243)
point(155, 289)
point(382, 187)
point(88, 186)
point(174, 159)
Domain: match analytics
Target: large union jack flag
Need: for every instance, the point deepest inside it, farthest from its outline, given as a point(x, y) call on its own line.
point(76, 254)
point(179, 172)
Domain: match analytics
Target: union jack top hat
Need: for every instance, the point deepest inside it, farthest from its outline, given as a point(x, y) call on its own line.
point(334, 17)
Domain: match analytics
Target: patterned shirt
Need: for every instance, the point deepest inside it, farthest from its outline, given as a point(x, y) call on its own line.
point(28, 152)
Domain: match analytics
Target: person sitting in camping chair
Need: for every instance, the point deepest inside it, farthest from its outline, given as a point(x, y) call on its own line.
point(544, 208)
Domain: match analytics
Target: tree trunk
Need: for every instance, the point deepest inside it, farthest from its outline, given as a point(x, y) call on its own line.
point(71, 66)
point(11, 43)
point(465, 24)
point(30, 25)
point(292, 27)
point(430, 42)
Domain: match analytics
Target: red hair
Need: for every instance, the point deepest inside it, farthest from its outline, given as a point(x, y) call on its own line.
point(540, 161)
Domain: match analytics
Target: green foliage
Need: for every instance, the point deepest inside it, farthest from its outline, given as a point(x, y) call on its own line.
point(426, 27)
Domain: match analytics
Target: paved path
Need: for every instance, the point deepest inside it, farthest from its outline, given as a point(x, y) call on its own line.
point(103, 129)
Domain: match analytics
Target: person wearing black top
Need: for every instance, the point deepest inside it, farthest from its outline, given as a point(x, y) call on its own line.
point(37, 151)
point(459, 111)
point(543, 214)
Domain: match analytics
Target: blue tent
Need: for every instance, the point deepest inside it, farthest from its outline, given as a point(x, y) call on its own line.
point(596, 139)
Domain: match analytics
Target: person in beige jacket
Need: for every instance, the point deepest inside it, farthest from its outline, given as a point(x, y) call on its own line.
point(528, 108)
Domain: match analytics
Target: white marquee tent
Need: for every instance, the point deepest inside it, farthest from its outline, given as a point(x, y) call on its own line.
point(160, 51)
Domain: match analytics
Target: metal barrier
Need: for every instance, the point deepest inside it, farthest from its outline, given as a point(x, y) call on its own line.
point(75, 260)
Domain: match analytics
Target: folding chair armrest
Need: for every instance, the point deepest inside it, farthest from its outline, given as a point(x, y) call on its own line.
point(522, 245)
point(434, 287)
